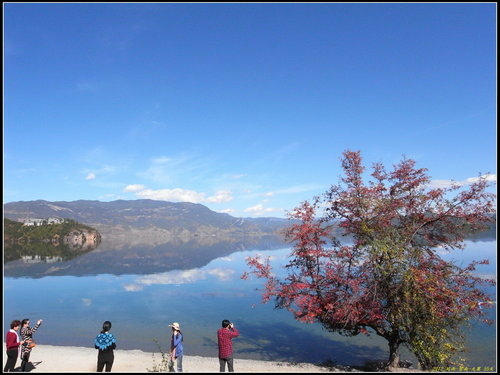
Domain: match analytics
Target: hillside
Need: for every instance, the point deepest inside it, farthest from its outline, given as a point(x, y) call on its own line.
point(149, 220)
point(64, 240)
point(168, 218)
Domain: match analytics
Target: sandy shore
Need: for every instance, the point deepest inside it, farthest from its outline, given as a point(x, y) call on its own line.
point(50, 359)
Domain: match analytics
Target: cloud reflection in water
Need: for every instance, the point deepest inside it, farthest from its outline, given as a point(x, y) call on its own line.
point(180, 277)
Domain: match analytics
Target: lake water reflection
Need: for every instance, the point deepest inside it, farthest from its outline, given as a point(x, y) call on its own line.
point(143, 289)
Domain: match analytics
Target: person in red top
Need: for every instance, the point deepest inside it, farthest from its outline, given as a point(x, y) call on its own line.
point(225, 335)
point(12, 343)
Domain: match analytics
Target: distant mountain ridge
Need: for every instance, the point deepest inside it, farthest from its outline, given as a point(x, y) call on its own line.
point(175, 217)
point(151, 221)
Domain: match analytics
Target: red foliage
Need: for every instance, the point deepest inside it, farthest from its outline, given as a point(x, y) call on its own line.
point(396, 222)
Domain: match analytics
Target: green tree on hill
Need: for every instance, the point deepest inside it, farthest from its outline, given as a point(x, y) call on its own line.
point(46, 240)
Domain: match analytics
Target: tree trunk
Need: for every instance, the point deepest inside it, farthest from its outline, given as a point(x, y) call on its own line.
point(393, 353)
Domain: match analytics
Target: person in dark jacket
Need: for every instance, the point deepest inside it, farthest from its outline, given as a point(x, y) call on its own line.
point(106, 343)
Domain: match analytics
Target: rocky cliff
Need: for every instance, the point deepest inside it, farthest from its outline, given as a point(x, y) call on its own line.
point(82, 239)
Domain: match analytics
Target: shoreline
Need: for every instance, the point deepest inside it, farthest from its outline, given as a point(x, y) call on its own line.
point(64, 359)
point(77, 359)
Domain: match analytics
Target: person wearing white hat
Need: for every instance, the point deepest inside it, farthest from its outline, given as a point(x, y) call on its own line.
point(176, 347)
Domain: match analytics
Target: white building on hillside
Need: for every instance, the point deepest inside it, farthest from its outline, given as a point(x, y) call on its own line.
point(36, 222)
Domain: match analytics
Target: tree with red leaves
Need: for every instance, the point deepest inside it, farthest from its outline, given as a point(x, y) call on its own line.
point(387, 277)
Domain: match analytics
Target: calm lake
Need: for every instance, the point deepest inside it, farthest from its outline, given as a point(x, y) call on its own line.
point(143, 289)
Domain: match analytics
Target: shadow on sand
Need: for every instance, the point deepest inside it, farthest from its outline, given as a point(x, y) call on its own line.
point(30, 366)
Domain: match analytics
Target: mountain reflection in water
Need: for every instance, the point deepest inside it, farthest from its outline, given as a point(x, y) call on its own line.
point(197, 283)
point(110, 258)
point(43, 252)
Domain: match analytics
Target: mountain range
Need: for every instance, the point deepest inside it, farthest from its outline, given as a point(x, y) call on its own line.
point(151, 222)
point(146, 218)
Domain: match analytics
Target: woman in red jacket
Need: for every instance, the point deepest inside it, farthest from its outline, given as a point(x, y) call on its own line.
point(12, 343)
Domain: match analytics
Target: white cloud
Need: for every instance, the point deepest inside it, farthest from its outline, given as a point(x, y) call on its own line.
point(441, 184)
point(133, 288)
point(488, 177)
point(179, 195)
point(90, 176)
point(256, 208)
point(259, 209)
point(175, 195)
point(134, 187)
point(226, 211)
point(222, 274)
point(467, 181)
point(220, 196)
point(87, 301)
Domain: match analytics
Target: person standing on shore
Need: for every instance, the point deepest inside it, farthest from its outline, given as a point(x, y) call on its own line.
point(225, 335)
point(106, 343)
point(27, 335)
point(176, 347)
point(12, 343)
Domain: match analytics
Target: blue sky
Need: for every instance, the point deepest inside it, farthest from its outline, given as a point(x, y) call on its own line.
point(245, 108)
